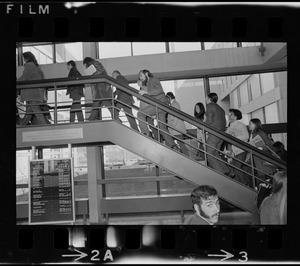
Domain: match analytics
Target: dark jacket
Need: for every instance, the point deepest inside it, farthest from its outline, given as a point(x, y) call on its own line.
point(75, 91)
point(155, 90)
point(195, 220)
point(215, 116)
point(122, 96)
point(101, 90)
point(32, 72)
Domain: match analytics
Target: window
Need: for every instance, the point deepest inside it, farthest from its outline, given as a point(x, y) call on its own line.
point(144, 48)
point(69, 51)
point(114, 49)
point(267, 82)
point(247, 44)
point(271, 113)
point(184, 46)
point(244, 93)
point(219, 45)
point(42, 53)
point(259, 113)
point(235, 99)
point(254, 86)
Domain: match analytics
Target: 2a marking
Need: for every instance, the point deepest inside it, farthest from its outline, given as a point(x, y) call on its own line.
point(94, 257)
point(107, 255)
point(245, 256)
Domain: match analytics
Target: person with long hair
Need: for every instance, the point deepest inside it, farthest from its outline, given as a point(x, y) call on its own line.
point(273, 209)
point(75, 92)
point(199, 113)
point(102, 92)
point(265, 144)
point(33, 97)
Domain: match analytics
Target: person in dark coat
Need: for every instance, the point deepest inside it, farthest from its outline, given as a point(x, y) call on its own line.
point(75, 92)
point(34, 97)
point(124, 100)
point(280, 150)
point(199, 113)
point(263, 168)
point(102, 93)
point(215, 116)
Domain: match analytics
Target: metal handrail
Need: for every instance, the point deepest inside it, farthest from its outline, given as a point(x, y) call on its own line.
point(61, 83)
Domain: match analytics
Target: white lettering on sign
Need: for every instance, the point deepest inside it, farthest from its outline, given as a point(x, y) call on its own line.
point(46, 135)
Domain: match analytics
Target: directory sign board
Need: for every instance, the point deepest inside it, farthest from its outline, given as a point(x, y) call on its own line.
point(51, 191)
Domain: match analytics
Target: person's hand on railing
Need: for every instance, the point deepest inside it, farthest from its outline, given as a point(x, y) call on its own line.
point(142, 92)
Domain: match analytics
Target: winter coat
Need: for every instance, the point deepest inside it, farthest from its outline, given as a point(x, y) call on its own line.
point(75, 92)
point(176, 123)
point(101, 90)
point(32, 72)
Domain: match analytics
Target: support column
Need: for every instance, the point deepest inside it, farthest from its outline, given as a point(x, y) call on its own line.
point(206, 86)
point(95, 172)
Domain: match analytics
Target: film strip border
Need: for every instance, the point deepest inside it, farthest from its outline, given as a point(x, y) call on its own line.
point(112, 243)
point(133, 21)
point(239, 27)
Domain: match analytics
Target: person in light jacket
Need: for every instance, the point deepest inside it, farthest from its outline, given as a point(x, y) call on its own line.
point(75, 92)
point(33, 97)
point(154, 90)
point(102, 92)
point(176, 126)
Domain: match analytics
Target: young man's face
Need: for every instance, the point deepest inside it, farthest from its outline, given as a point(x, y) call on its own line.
point(210, 209)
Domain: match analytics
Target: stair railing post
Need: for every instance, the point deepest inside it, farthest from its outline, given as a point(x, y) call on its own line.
point(158, 124)
point(252, 168)
point(55, 104)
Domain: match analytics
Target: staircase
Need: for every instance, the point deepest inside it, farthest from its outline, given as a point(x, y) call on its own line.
point(98, 132)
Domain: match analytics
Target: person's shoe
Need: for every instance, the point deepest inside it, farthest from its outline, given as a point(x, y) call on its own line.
point(176, 148)
point(150, 135)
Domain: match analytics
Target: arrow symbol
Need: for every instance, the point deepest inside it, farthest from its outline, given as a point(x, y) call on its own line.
point(227, 255)
point(81, 255)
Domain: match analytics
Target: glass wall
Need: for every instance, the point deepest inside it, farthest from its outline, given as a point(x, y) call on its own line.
point(145, 48)
point(267, 82)
point(114, 49)
point(259, 113)
point(219, 45)
point(184, 46)
point(247, 44)
point(69, 51)
point(244, 96)
point(253, 83)
point(42, 53)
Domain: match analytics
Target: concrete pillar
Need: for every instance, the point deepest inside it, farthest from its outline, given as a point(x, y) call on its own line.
point(206, 86)
point(95, 172)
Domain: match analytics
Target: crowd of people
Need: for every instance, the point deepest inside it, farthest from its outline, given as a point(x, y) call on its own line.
point(168, 127)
